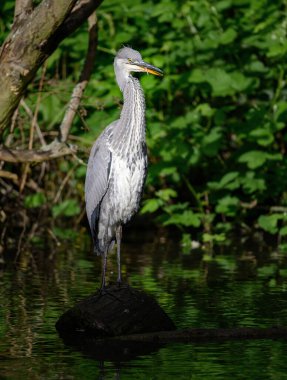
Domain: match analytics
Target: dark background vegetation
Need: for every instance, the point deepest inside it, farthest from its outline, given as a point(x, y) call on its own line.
point(216, 128)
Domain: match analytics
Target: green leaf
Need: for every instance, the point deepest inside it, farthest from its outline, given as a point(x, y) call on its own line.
point(69, 207)
point(228, 36)
point(220, 82)
point(229, 181)
point(228, 205)
point(65, 233)
point(256, 158)
point(188, 219)
point(151, 205)
point(35, 200)
point(205, 110)
point(186, 243)
point(267, 270)
point(269, 222)
point(263, 136)
point(218, 238)
point(224, 83)
point(166, 194)
point(239, 82)
point(212, 141)
point(197, 76)
point(283, 231)
point(81, 171)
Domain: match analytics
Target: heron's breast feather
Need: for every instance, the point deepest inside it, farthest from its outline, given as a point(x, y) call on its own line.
point(127, 182)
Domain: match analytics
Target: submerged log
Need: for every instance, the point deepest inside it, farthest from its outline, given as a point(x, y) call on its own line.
point(205, 334)
point(128, 347)
point(119, 310)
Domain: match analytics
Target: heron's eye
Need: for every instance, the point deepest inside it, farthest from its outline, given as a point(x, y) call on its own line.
point(130, 60)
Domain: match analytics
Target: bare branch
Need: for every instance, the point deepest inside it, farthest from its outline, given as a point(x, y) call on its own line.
point(32, 128)
point(23, 155)
point(15, 179)
point(82, 10)
point(63, 184)
point(12, 176)
point(83, 81)
point(37, 127)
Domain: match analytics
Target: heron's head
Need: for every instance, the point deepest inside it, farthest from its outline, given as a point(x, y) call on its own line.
point(128, 60)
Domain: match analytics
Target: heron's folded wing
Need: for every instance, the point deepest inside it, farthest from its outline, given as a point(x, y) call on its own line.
point(97, 178)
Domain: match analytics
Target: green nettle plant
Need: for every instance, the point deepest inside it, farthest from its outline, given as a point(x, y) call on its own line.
point(216, 122)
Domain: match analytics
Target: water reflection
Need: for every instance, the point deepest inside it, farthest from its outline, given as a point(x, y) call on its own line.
point(231, 286)
point(109, 350)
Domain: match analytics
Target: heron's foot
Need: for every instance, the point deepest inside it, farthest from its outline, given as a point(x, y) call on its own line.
point(119, 281)
point(102, 291)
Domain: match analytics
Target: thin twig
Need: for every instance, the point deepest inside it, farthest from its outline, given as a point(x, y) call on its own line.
point(15, 179)
point(30, 114)
point(32, 128)
point(63, 183)
point(8, 175)
point(82, 140)
point(83, 80)
point(54, 237)
point(35, 116)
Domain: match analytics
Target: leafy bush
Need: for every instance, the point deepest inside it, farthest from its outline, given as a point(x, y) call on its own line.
point(216, 125)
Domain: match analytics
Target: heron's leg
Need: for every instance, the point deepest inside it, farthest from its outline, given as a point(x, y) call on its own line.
point(104, 268)
point(119, 238)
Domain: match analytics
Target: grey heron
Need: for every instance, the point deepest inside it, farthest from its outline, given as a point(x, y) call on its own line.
point(117, 164)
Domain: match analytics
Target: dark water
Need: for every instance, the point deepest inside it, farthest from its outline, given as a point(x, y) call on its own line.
point(229, 287)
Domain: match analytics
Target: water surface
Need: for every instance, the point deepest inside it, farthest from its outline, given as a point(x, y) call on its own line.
point(242, 285)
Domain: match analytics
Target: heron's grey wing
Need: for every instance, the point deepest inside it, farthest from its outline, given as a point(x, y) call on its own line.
point(97, 178)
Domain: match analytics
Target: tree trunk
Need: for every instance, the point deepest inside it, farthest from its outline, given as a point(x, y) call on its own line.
point(31, 41)
point(22, 52)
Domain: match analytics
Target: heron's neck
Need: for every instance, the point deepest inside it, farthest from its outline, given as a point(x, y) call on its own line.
point(129, 134)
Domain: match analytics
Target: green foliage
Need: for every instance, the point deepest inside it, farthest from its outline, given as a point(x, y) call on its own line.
point(218, 134)
point(216, 122)
point(68, 207)
point(65, 233)
point(35, 200)
point(271, 223)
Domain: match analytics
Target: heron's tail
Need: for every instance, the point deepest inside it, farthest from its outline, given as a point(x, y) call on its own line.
point(103, 235)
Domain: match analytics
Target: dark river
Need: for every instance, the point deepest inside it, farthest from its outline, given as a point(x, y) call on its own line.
point(241, 285)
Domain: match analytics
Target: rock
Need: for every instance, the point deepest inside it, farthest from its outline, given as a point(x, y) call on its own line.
point(119, 310)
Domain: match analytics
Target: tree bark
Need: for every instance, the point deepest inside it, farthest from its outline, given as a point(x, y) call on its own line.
point(22, 9)
point(31, 42)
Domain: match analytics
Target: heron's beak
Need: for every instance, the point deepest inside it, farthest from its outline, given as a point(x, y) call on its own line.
point(147, 68)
